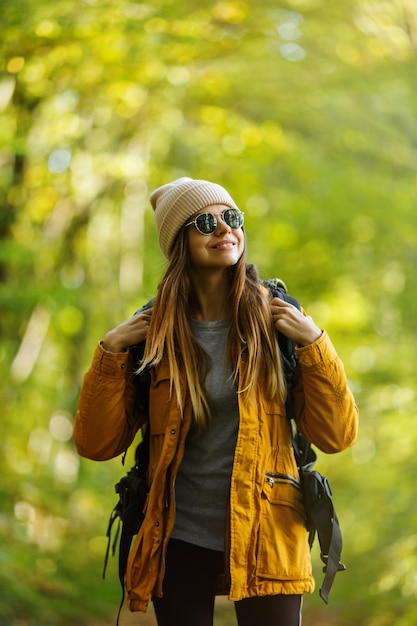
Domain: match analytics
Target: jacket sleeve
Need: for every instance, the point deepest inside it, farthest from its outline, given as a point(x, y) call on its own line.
point(324, 407)
point(104, 423)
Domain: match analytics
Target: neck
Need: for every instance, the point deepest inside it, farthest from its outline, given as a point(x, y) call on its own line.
point(211, 300)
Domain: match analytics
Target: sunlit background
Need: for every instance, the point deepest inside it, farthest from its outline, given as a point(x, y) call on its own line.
point(305, 110)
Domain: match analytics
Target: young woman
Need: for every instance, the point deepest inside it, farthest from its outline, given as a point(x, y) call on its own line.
point(218, 426)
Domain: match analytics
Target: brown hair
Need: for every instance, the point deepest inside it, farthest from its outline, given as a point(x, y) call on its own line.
point(251, 337)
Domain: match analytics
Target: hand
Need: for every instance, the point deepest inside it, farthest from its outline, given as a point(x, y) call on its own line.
point(128, 333)
point(293, 324)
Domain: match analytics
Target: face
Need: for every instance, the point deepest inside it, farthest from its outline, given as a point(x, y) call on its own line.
point(223, 248)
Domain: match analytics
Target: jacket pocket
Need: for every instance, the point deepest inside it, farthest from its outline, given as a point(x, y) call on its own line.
point(165, 420)
point(283, 551)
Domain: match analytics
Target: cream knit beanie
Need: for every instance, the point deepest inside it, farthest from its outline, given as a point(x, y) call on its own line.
point(175, 202)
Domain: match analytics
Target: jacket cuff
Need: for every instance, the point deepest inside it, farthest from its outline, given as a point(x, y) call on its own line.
point(110, 364)
point(317, 353)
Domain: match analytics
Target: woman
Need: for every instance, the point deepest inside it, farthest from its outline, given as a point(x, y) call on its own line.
point(217, 422)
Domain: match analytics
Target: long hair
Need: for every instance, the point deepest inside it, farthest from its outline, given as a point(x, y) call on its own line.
point(252, 341)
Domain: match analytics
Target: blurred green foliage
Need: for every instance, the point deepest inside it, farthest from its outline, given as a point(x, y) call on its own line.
point(306, 111)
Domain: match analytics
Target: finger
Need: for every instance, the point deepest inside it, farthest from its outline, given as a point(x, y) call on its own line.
point(144, 315)
point(279, 302)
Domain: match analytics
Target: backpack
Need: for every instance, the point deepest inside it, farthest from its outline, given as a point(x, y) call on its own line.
point(321, 517)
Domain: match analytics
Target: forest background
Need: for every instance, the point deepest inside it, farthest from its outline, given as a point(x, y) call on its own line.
point(305, 110)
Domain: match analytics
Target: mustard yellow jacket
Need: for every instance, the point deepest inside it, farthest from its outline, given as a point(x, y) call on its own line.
point(267, 545)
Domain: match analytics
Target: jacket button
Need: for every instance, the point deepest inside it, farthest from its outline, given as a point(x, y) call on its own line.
point(173, 431)
point(156, 523)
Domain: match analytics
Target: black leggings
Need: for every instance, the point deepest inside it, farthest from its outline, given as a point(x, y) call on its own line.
point(189, 593)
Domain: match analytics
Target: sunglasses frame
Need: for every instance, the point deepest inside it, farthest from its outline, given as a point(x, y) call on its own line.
point(241, 215)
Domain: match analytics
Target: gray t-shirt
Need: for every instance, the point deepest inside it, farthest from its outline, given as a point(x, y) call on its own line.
point(203, 480)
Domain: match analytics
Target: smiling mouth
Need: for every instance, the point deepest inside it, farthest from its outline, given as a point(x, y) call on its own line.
point(225, 245)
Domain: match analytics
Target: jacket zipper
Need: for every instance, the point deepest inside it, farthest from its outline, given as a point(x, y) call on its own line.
point(275, 478)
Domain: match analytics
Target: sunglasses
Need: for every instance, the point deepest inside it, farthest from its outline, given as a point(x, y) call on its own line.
point(206, 223)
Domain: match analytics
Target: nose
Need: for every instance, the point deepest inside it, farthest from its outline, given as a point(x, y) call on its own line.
point(221, 225)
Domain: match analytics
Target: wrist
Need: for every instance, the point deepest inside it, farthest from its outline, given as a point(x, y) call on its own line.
point(112, 345)
point(310, 340)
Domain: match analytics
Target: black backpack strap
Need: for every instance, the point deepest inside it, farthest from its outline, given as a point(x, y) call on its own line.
point(305, 455)
point(132, 491)
point(320, 513)
point(322, 517)
point(132, 488)
point(278, 289)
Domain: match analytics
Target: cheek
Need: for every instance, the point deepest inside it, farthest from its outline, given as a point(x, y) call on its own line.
point(192, 240)
point(242, 241)
point(195, 248)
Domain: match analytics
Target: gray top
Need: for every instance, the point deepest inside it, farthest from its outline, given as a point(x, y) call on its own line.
point(203, 480)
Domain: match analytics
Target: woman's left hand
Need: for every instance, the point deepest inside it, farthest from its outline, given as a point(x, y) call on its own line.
point(293, 324)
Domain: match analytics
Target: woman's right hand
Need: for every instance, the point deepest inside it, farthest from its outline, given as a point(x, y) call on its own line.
point(128, 333)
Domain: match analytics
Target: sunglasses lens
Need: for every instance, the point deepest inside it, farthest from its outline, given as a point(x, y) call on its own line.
point(233, 218)
point(206, 223)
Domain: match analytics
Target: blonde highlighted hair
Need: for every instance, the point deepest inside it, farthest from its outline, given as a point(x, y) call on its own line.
point(252, 341)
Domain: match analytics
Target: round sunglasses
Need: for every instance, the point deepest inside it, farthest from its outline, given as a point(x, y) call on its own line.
point(206, 223)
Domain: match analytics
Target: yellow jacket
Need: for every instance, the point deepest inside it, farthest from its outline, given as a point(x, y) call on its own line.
point(267, 545)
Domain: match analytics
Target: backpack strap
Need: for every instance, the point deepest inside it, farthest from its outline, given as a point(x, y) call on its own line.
point(133, 491)
point(278, 289)
point(321, 516)
point(132, 488)
point(320, 513)
point(305, 455)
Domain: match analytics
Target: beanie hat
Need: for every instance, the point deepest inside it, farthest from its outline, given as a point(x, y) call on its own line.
point(175, 202)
